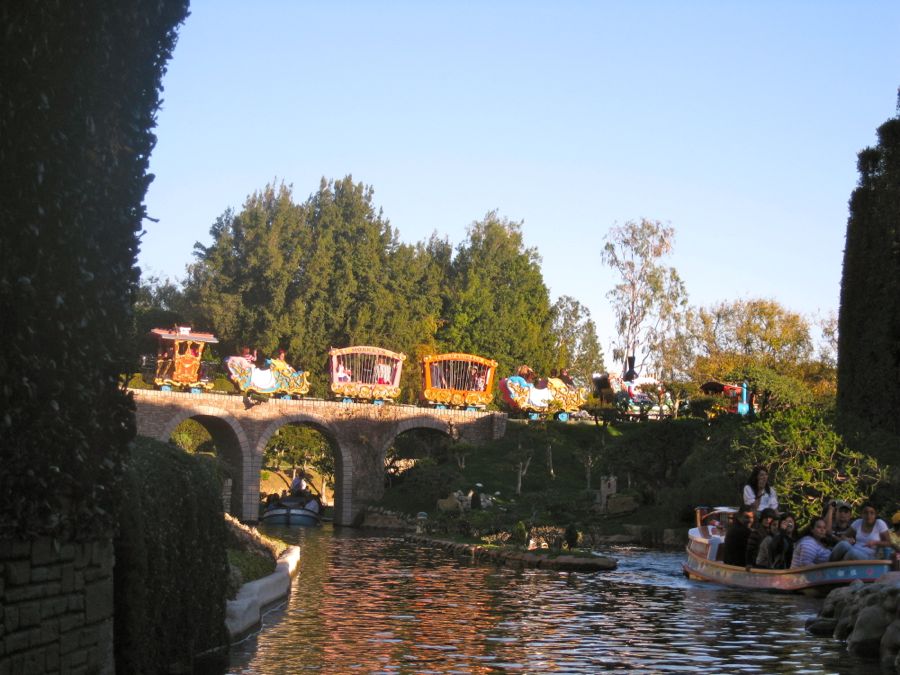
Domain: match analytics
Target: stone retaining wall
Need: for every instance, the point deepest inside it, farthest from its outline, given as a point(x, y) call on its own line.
point(56, 605)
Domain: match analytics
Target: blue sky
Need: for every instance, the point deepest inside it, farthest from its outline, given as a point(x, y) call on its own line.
point(736, 123)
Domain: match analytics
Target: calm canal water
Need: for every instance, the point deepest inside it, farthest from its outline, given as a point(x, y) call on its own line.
point(368, 603)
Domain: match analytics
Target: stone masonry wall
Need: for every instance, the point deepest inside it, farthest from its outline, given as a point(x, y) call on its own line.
point(56, 606)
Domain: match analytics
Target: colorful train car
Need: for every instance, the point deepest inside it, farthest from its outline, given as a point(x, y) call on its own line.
point(458, 380)
point(179, 364)
point(544, 397)
point(365, 373)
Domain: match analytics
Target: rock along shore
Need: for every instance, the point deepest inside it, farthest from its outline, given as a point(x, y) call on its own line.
point(867, 616)
point(520, 558)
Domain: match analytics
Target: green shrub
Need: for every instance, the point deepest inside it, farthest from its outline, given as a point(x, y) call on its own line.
point(171, 571)
point(519, 534)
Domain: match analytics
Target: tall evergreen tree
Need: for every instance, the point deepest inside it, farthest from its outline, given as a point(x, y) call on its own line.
point(243, 284)
point(869, 320)
point(498, 305)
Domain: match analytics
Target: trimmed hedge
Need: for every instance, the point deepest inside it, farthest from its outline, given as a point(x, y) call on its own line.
point(868, 392)
point(80, 83)
point(171, 573)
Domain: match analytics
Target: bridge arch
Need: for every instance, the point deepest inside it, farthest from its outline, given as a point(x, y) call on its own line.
point(343, 460)
point(231, 443)
point(421, 422)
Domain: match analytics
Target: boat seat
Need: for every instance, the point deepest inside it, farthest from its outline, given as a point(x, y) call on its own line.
point(716, 552)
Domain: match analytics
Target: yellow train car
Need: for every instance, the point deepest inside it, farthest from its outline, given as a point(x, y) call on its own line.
point(458, 380)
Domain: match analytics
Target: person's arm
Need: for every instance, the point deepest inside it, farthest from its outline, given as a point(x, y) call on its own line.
point(750, 498)
point(829, 517)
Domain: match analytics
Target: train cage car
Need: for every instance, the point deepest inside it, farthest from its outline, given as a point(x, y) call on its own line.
point(365, 373)
point(457, 380)
point(178, 359)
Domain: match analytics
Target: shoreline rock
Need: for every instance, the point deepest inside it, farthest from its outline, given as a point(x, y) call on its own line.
point(867, 617)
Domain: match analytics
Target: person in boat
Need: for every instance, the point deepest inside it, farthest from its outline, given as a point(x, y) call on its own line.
point(734, 551)
point(313, 504)
point(839, 514)
point(813, 550)
point(758, 494)
point(891, 538)
point(298, 485)
point(776, 550)
point(868, 530)
point(762, 530)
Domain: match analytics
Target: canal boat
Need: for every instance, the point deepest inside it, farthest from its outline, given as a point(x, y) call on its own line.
point(704, 563)
point(290, 511)
point(363, 373)
point(458, 380)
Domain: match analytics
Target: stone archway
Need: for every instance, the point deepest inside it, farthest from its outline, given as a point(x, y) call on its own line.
point(231, 443)
point(343, 461)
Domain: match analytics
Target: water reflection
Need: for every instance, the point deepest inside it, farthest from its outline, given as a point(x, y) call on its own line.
point(373, 604)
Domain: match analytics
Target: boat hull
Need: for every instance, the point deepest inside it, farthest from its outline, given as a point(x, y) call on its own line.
point(281, 515)
point(814, 578)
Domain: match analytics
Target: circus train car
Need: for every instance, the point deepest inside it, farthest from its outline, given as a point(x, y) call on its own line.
point(274, 378)
point(458, 380)
point(179, 364)
point(366, 374)
point(540, 398)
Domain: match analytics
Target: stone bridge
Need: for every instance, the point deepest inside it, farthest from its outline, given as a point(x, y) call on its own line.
point(359, 434)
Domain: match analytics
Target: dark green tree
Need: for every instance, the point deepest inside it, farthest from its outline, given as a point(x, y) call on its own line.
point(243, 285)
point(576, 346)
point(868, 391)
point(498, 305)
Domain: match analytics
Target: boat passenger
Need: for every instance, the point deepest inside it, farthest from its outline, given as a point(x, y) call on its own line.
point(811, 549)
point(761, 531)
point(841, 528)
point(891, 538)
point(868, 528)
point(298, 484)
point(758, 494)
point(734, 551)
point(776, 551)
point(313, 505)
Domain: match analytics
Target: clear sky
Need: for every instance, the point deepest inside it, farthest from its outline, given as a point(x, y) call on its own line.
point(736, 123)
